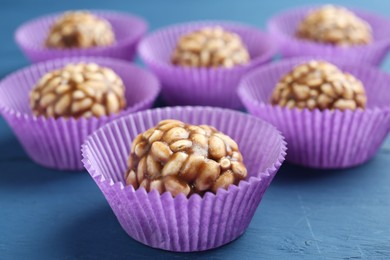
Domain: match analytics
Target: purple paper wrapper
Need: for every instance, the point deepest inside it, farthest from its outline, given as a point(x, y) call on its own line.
point(202, 86)
point(323, 139)
point(56, 143)
point(128, 31)
point(180, 223)
point(284, 25)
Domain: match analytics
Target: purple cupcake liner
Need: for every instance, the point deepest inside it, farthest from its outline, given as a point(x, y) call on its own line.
point(283, 26)
point(56, 143)
point(128, 31)
point(202, 86)
point(184, 224)
point(323, 139)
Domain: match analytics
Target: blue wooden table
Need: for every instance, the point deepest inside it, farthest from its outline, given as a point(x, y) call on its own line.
point(305, 214)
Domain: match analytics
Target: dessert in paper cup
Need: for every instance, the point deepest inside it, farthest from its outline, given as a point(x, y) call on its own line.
point(207, 73)
point(339, 122)
point(54, 105)
point(182, 206)
point(113, 34)
point(349, 34)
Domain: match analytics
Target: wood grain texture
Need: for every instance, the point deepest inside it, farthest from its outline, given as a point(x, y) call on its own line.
point(305, 214)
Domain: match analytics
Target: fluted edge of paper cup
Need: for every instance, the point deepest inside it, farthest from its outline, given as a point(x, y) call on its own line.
point(56, 143)
point(184, 224)
point(202, 86)
point(323, 139)
point(128, 30)
point(283, 25)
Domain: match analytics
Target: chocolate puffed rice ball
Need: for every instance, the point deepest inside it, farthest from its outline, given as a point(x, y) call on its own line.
point(80, 30)
point(182, 158)
point(78, 90)
point(319, 84)
point(210, 47)
point(334, 25)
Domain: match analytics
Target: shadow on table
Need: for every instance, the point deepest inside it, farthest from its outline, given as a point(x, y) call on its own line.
point(10, 148)
point(25, 173)
point(294, 174)
point(18, 170)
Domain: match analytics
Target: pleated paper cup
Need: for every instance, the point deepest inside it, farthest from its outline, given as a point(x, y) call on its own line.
point(284, 25)
point(323, 139)
point(128, 30)
point(202, 86)
point(184, 224)
point(56, 143)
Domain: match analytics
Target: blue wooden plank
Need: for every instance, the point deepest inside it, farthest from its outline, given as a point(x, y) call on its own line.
point(305, 214)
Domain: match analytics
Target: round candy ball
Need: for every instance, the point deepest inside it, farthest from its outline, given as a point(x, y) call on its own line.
point(182, 158)
point(210, 47)
point(79, 30)
point(334, 25)
point(319, 84)
point(78, 90)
